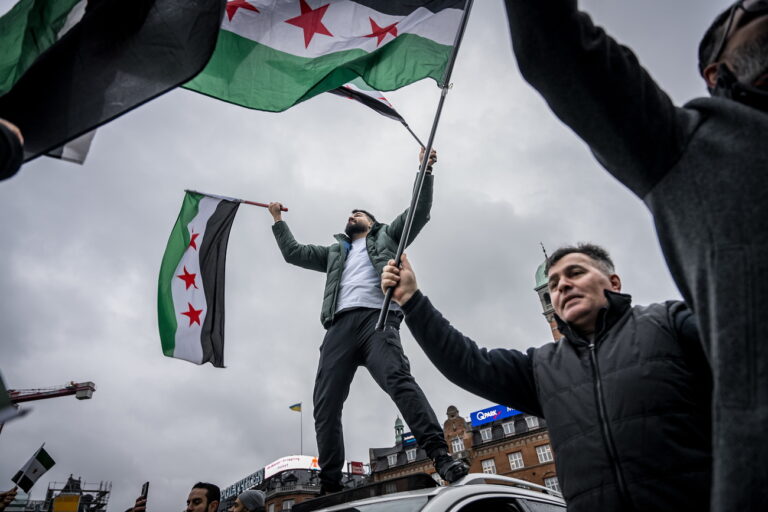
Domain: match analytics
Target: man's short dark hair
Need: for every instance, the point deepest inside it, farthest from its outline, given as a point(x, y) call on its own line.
point(593, 251)
point(713, 35)
point(212, 491)
point(370, 215)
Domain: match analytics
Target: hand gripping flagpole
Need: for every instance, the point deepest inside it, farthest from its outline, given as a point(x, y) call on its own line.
point(423, 168)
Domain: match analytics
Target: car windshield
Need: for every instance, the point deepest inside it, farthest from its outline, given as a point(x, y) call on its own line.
point(401, 505)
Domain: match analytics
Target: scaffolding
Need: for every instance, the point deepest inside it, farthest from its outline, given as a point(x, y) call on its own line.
point(92, 497)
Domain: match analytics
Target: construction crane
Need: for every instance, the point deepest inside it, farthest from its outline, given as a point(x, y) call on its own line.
point(81, 390)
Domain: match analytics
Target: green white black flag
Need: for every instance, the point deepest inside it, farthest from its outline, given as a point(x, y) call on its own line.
point(33, 469)
point(190, 305)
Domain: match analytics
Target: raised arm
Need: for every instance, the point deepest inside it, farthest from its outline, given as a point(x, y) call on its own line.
point(501, 375)
point(598, 88)
point(423, 206)
point(312, 257)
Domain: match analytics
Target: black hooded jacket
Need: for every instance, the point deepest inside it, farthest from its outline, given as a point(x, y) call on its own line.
point(628, 415)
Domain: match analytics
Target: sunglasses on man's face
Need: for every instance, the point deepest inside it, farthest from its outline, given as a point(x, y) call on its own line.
point(740, 13)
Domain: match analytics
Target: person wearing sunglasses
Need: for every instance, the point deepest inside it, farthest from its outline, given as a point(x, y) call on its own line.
point(702, 170)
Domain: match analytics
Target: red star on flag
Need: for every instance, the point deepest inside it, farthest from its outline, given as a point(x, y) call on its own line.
point(192, 242)
point(234, 5)
point(381, 32)
point(189, 279)
point(193, 314)
point(311, 21)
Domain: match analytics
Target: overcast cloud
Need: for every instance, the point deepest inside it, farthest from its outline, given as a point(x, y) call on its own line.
point(81, 249)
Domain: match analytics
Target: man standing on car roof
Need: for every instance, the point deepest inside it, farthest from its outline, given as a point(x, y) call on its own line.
point(351, 305)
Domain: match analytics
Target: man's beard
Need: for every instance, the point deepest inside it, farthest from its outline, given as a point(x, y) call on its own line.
point(750, 62)
point(354, 229)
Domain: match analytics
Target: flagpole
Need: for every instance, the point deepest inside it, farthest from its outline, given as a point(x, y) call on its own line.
point(243, 201)
point(301, 431)
point(411, 132)
point(423, 168)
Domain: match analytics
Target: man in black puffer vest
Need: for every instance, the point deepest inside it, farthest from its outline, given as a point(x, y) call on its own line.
point(700, 168)
point(626, 391)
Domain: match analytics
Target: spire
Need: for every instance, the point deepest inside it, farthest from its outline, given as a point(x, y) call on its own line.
point(398, 430)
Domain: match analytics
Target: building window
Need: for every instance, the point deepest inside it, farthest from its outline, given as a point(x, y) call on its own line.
point(287, 505)
point(516, 460)
point(457, 444)
point(532, 421)
point(489, 466)
point(485, 434)
point(392, 459)
point(552, 483)
point(545, 453)
point(547, 300)
point(271, 507)
point(390, 488)
point(509, 428)
point(410, 455)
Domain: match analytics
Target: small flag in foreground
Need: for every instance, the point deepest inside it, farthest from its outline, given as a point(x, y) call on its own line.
point(33, 469)
point(272, 54)
point(295, 407)
point(190, 305)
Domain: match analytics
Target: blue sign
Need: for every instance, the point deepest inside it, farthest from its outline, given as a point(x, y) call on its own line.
point(497, 412)
point(408, 438)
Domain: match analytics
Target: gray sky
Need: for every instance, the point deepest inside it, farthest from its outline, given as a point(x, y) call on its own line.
point(82, 248)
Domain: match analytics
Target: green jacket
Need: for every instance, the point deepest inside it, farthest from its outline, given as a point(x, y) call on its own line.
point(382, 241)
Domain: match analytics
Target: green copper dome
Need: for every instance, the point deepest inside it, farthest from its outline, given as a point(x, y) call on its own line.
point(541, 275)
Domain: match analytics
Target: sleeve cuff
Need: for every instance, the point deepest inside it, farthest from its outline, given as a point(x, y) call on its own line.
point(413, 303)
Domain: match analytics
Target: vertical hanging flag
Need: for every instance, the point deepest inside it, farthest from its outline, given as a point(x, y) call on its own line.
point(272, 54)
point(295, 407)
point(33, 469)
point(190, 296)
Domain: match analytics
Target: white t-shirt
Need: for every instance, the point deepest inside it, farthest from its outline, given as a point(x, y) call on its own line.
point(360, 283)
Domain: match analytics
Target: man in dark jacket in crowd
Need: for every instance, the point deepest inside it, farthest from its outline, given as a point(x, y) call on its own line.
point(701, 170)
point(351, 305)
point(626, 391)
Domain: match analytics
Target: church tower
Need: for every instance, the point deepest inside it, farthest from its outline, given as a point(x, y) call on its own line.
point(546, 302)
point(398, 430)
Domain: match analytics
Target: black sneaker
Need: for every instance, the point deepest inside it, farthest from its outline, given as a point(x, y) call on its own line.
point(330, 488)
point(449, 469)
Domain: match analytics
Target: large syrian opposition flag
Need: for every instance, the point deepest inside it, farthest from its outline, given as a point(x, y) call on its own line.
point(272, 54)
point(121, 54)
point(33, 469)
point(190, 296)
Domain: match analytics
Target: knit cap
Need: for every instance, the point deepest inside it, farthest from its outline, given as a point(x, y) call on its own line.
point(253, 500)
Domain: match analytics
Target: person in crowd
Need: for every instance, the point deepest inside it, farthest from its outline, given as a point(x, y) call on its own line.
point(249, 501)
point(204, 497)
point(625, 392)
point(700, 169)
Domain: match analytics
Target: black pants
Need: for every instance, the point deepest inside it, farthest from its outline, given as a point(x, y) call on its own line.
point(352, 341)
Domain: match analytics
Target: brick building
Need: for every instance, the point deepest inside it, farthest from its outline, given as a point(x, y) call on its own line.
point(498, 440)
point(287, 482)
